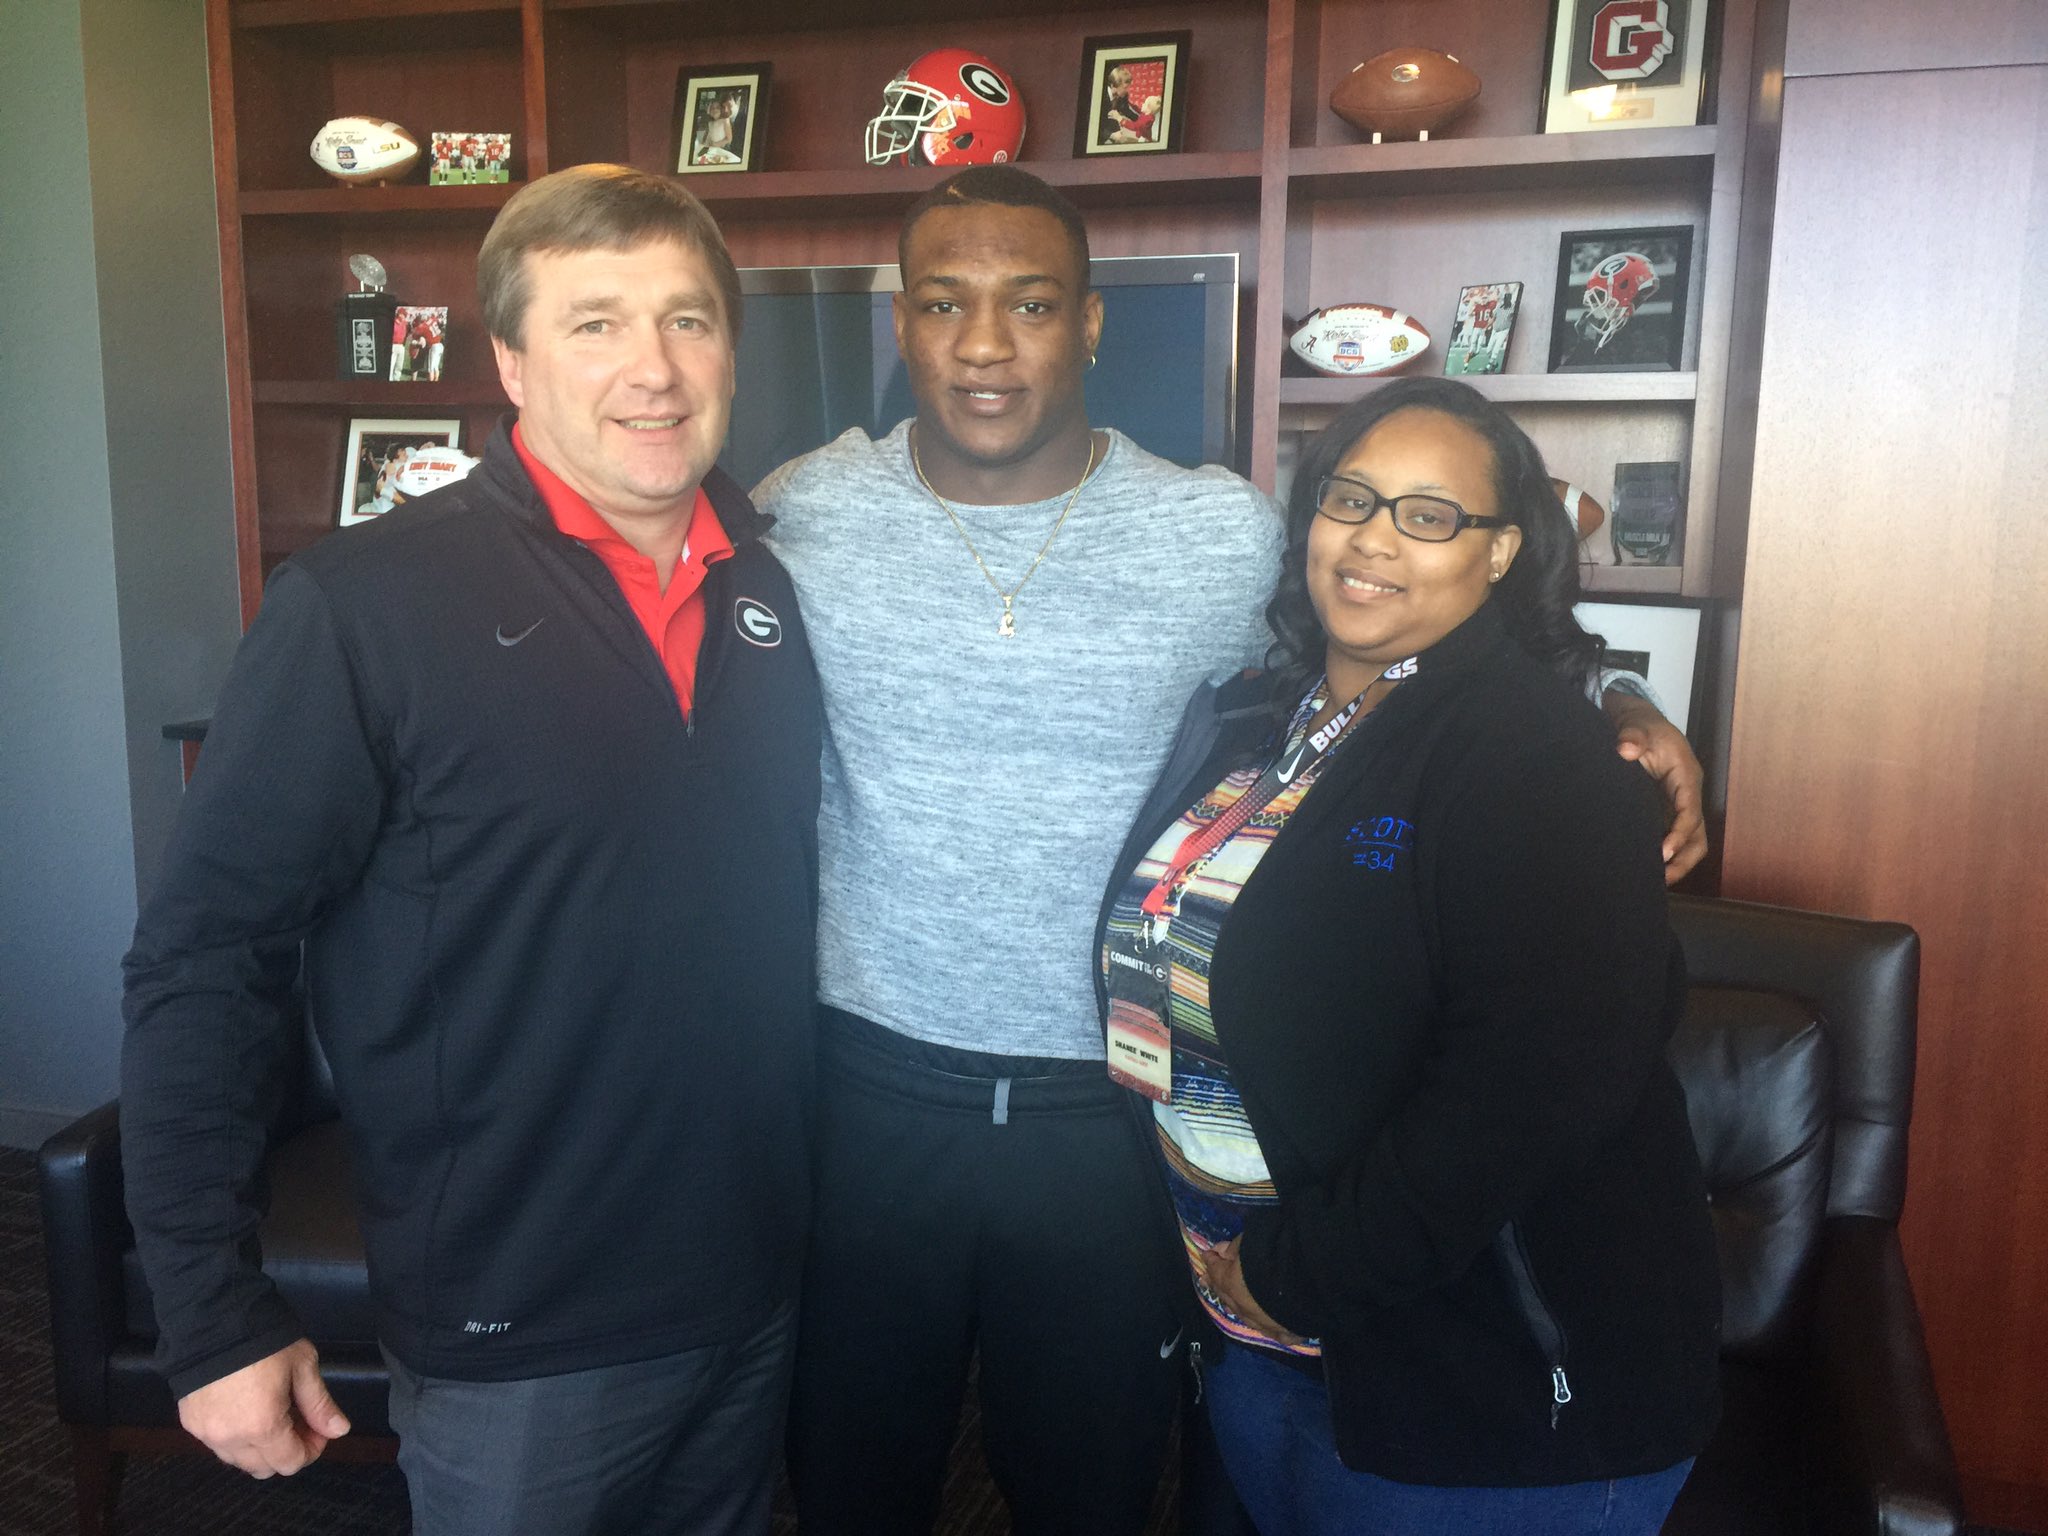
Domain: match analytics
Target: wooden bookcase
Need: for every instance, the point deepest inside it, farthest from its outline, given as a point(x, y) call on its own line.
point(1314, 215)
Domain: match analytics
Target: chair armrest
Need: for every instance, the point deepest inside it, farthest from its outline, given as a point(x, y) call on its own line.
point(85, 1231)
point(1884, 1464)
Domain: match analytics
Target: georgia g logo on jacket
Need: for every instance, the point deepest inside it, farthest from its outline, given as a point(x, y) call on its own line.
point(756, 622)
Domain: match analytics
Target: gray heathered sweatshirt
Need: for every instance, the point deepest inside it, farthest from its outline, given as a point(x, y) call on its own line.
point(977, 789)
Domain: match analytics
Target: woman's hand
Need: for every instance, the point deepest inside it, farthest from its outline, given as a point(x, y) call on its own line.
point(1223, 1274)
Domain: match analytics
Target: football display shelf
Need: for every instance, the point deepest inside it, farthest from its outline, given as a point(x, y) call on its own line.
point(1177, 179)
point(1644, 156)
point(359, 17)
point(1316, 215)
point(340, 202)
point(1507, 388)
point(384, 394)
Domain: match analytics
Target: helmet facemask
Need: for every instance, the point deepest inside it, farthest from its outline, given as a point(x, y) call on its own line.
point(909, 110)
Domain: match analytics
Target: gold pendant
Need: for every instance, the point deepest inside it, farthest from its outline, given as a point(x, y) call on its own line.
point(1008, 627)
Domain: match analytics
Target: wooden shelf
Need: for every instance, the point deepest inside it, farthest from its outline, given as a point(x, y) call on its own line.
point(647, 21)
point(343, 202)
point(1119, 181)
point(1502, 164)
point(359, 14)
point(1648, 580)
point(578, 80)
point(1509, 388)
point(382, 394)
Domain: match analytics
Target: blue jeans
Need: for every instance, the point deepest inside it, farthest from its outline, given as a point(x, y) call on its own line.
point(1272, 1425)
point(684, 1445)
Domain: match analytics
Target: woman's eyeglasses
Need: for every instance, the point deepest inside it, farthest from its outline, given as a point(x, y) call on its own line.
point(1428, 518)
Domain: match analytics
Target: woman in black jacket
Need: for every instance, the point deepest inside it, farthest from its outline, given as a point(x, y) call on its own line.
point(1389, 953)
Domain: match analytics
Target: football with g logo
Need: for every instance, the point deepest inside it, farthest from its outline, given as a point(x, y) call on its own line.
point(1405, 93)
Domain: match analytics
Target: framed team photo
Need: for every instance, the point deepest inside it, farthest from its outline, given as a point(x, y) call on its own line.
point(377, 449)
point(1133, 94)
point(1485, 322)
point(1625, 64)
point(721, 113)
point(1621, 297)
point(460, 157)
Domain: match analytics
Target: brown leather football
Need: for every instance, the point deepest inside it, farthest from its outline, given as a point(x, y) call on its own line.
point(1586, 514)
point(1404, 92)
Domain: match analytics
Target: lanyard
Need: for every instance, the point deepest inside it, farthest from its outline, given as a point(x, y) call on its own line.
point(1304, 749)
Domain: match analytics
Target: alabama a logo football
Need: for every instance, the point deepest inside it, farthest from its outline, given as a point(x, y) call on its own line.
point(1631, 38)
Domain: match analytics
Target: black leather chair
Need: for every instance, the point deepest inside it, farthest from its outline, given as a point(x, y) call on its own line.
point(1796, 1054)
point(102, 1323)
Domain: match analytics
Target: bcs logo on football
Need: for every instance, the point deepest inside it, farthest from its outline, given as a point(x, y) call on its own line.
point(756, 623)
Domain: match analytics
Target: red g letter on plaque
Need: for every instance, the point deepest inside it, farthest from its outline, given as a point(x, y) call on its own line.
point(1631, 38)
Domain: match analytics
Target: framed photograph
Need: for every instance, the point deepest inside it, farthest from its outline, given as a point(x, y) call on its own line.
point(1648, 515)
point(458, 157)
point(376, 450)
point(721, 113)
point(1479, 336)
point(1133, 94)
point(419, 343)
point(1621, 296)
point(1625, 64)
point(1659, 642)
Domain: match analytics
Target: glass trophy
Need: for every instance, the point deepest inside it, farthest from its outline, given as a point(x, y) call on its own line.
point(362, 322)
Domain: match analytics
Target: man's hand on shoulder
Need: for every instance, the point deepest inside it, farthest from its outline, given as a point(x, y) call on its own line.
point(1646, 737)
point(268, 1418)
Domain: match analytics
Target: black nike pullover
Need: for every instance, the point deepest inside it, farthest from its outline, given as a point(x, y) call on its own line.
point(558, 948)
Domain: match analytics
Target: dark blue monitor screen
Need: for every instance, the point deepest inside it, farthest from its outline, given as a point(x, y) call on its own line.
point(818, 355)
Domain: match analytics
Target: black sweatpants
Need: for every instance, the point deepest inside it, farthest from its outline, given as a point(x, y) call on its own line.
point(995, 1202)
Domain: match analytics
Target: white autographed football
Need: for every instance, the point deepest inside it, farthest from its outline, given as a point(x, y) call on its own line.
point(429, 470)
point(364, 149)
point(1352, 340)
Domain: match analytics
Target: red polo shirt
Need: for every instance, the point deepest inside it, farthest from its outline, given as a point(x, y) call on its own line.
point(674, 620)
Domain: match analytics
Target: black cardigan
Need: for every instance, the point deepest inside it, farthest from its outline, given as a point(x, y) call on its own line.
point(1445, 996)
point(559, 947)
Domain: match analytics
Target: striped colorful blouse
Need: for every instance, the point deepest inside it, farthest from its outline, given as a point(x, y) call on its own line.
point(1214, 1167)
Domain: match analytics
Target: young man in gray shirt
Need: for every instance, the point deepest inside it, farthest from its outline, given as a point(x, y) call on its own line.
point(1008, 611)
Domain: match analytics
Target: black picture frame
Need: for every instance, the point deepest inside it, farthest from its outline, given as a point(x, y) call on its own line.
point(375, 445)
point(1155, 58)
point(701, 91)
point(1659, 82)
point(1630, 328)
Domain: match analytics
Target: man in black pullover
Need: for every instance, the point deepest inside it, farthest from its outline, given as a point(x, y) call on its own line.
point(528, 773)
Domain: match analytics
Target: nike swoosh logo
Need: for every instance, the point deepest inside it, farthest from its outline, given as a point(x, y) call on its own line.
point(1291, 764)
point(505, 639)
point(1166, 1350)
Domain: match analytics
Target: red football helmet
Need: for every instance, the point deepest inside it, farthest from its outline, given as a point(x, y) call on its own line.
point(1616, 287)
point(950, 107)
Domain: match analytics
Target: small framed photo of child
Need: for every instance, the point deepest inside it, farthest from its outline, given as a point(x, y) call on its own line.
point(720, 115)
point(1133, 94)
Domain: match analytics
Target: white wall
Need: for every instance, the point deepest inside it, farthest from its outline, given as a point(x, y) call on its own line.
point(116, 530)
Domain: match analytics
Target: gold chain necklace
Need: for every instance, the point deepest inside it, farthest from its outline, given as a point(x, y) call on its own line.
point(1007, 626)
